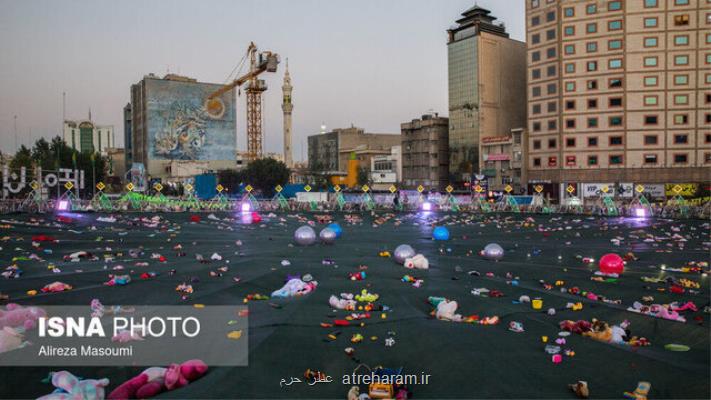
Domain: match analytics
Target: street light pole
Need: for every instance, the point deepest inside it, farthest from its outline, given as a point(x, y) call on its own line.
point(15, 129)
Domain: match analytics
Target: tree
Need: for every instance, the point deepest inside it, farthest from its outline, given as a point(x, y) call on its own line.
point(23, 158)
point(362, 176)
point(265, 174)
point(230, 178)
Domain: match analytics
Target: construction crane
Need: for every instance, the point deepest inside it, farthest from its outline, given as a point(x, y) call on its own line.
point(258, 63)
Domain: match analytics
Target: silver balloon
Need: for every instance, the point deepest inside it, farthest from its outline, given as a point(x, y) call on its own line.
point(493, 251)
point(305, 236)
point(402, 252)
point(327, 235)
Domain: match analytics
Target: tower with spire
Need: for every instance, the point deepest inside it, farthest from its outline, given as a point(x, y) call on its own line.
point(287, 107)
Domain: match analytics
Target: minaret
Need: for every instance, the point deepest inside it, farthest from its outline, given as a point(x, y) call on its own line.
point(287, 106)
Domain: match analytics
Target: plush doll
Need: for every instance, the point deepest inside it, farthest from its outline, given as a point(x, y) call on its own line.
point(10, 339)
point(16, 316)
point(600, 331)
point(417, 262)
point(446, 311)
point(295, 287)
point(353, 393)
point(56, 287)
point(155, 380)
point(342, 303)
point(69, 387)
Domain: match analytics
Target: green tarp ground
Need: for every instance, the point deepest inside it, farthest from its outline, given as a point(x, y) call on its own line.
point(464, 360)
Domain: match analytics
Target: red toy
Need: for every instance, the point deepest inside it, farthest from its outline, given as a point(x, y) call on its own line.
point(194, 218)
point(611, 264)
point(155, 380)
point(256, 218)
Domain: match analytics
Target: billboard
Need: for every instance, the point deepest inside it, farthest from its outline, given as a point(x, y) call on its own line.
point(183, 125)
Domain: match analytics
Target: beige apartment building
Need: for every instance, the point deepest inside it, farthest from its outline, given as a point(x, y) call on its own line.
point(425, 152)
point(619, 91)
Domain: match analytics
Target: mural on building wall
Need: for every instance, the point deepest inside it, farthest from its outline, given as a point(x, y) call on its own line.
point(181, 125)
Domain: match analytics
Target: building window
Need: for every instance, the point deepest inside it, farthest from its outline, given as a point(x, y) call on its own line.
point(650, 158)
point(681, 99)
point(536, 91)
point(707, 78)
point(681, 119)
point(552, 106)
point(651, 120)
point(614, 25)
point(707, 158)
point(707, 118)
point(651, 41)
point(535, 73)
point(537, 162)
point(681, 2)
point(615, 121)
point(570, 104)
point(550, 53)
point(681, 158)
point(535, 3)
point(552, 161)
point(615, 63)
point(681, 60)
point(550, 70)
point(551, 88)
point(650, 81)
point(614, 6)
point(569, 30)
point(535, 38)
point(708, 38)
point(681, 40)
point(681, 20)
point(592, 66)
point(552, 143)
point(615, 140)
point(707, 138)
point(570, 68)
point(535, 21)
point(708, 56)
point(681, 79)
point(650, 22)
point(650, 3)
point(550, 34)
point(615, 44)
point(615, 102)
point(570, 142)
point(650, 61)
point(616, 159)
point(591, 9)
point(650, 140)
point(592, 84)
point(569, 86)
point(570, 161)
point(592, 103)
point(591, 47)
point(569, 12)
point(570, 123)
point(569, 49)
point(592, 160)
point(550, 17)
point(552, 125)
point(591, 27)
point(681, 138)
point(592, 122)
point(615, 83)
point(536, 109)
point(651, 100)
point(592, 141)
point(536, 126)
point(707, 98)
point(536, 145)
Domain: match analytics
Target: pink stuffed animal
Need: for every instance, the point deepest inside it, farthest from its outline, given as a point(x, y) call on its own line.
point(16, 316)
point(10, 339)
point(155, 380)
point(69, 387)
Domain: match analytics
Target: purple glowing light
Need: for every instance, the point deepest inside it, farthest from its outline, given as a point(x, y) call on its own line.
point(427, 206)
point(640, 212)
point(63, 205)
point(246, 207)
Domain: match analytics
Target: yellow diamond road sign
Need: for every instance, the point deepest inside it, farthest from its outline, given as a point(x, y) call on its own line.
point(278, 188)
point(188, 187)
point(100, 186)
point(220, 188)
point(538, 188)
point(34, 185)
point(337, 188)
point(639, 188)
point(478, 189)
point(365, 188)
point(392, 189)
point(449, 188)
point(508, 188)
point(570, 189)
point(420, 189)
point(307, 188)
point(677, 189)
point(605, 189)
point(69, 185)
point(249, 188)
point(130, 187)
point(158, 187)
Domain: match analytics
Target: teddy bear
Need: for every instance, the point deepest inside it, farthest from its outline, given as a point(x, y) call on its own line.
point(155, 380)
point(16, 316)
point(69, 387)
point(417, 262)
point(446, 311)
point(600, 330)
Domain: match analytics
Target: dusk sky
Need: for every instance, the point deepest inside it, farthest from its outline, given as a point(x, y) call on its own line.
point(370, 63)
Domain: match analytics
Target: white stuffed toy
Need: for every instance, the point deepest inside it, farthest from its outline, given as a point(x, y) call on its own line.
point(446, 311)
point(343, 303)
point(417, 262)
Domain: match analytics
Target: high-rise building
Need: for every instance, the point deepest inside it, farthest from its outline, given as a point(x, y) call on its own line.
point(619, 91)
point(175, 134)
point(287, 106)
point(425, 152)
point(86, 136)
point(487, 88)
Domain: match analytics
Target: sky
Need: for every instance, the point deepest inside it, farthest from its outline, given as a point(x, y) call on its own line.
point(370, 63)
